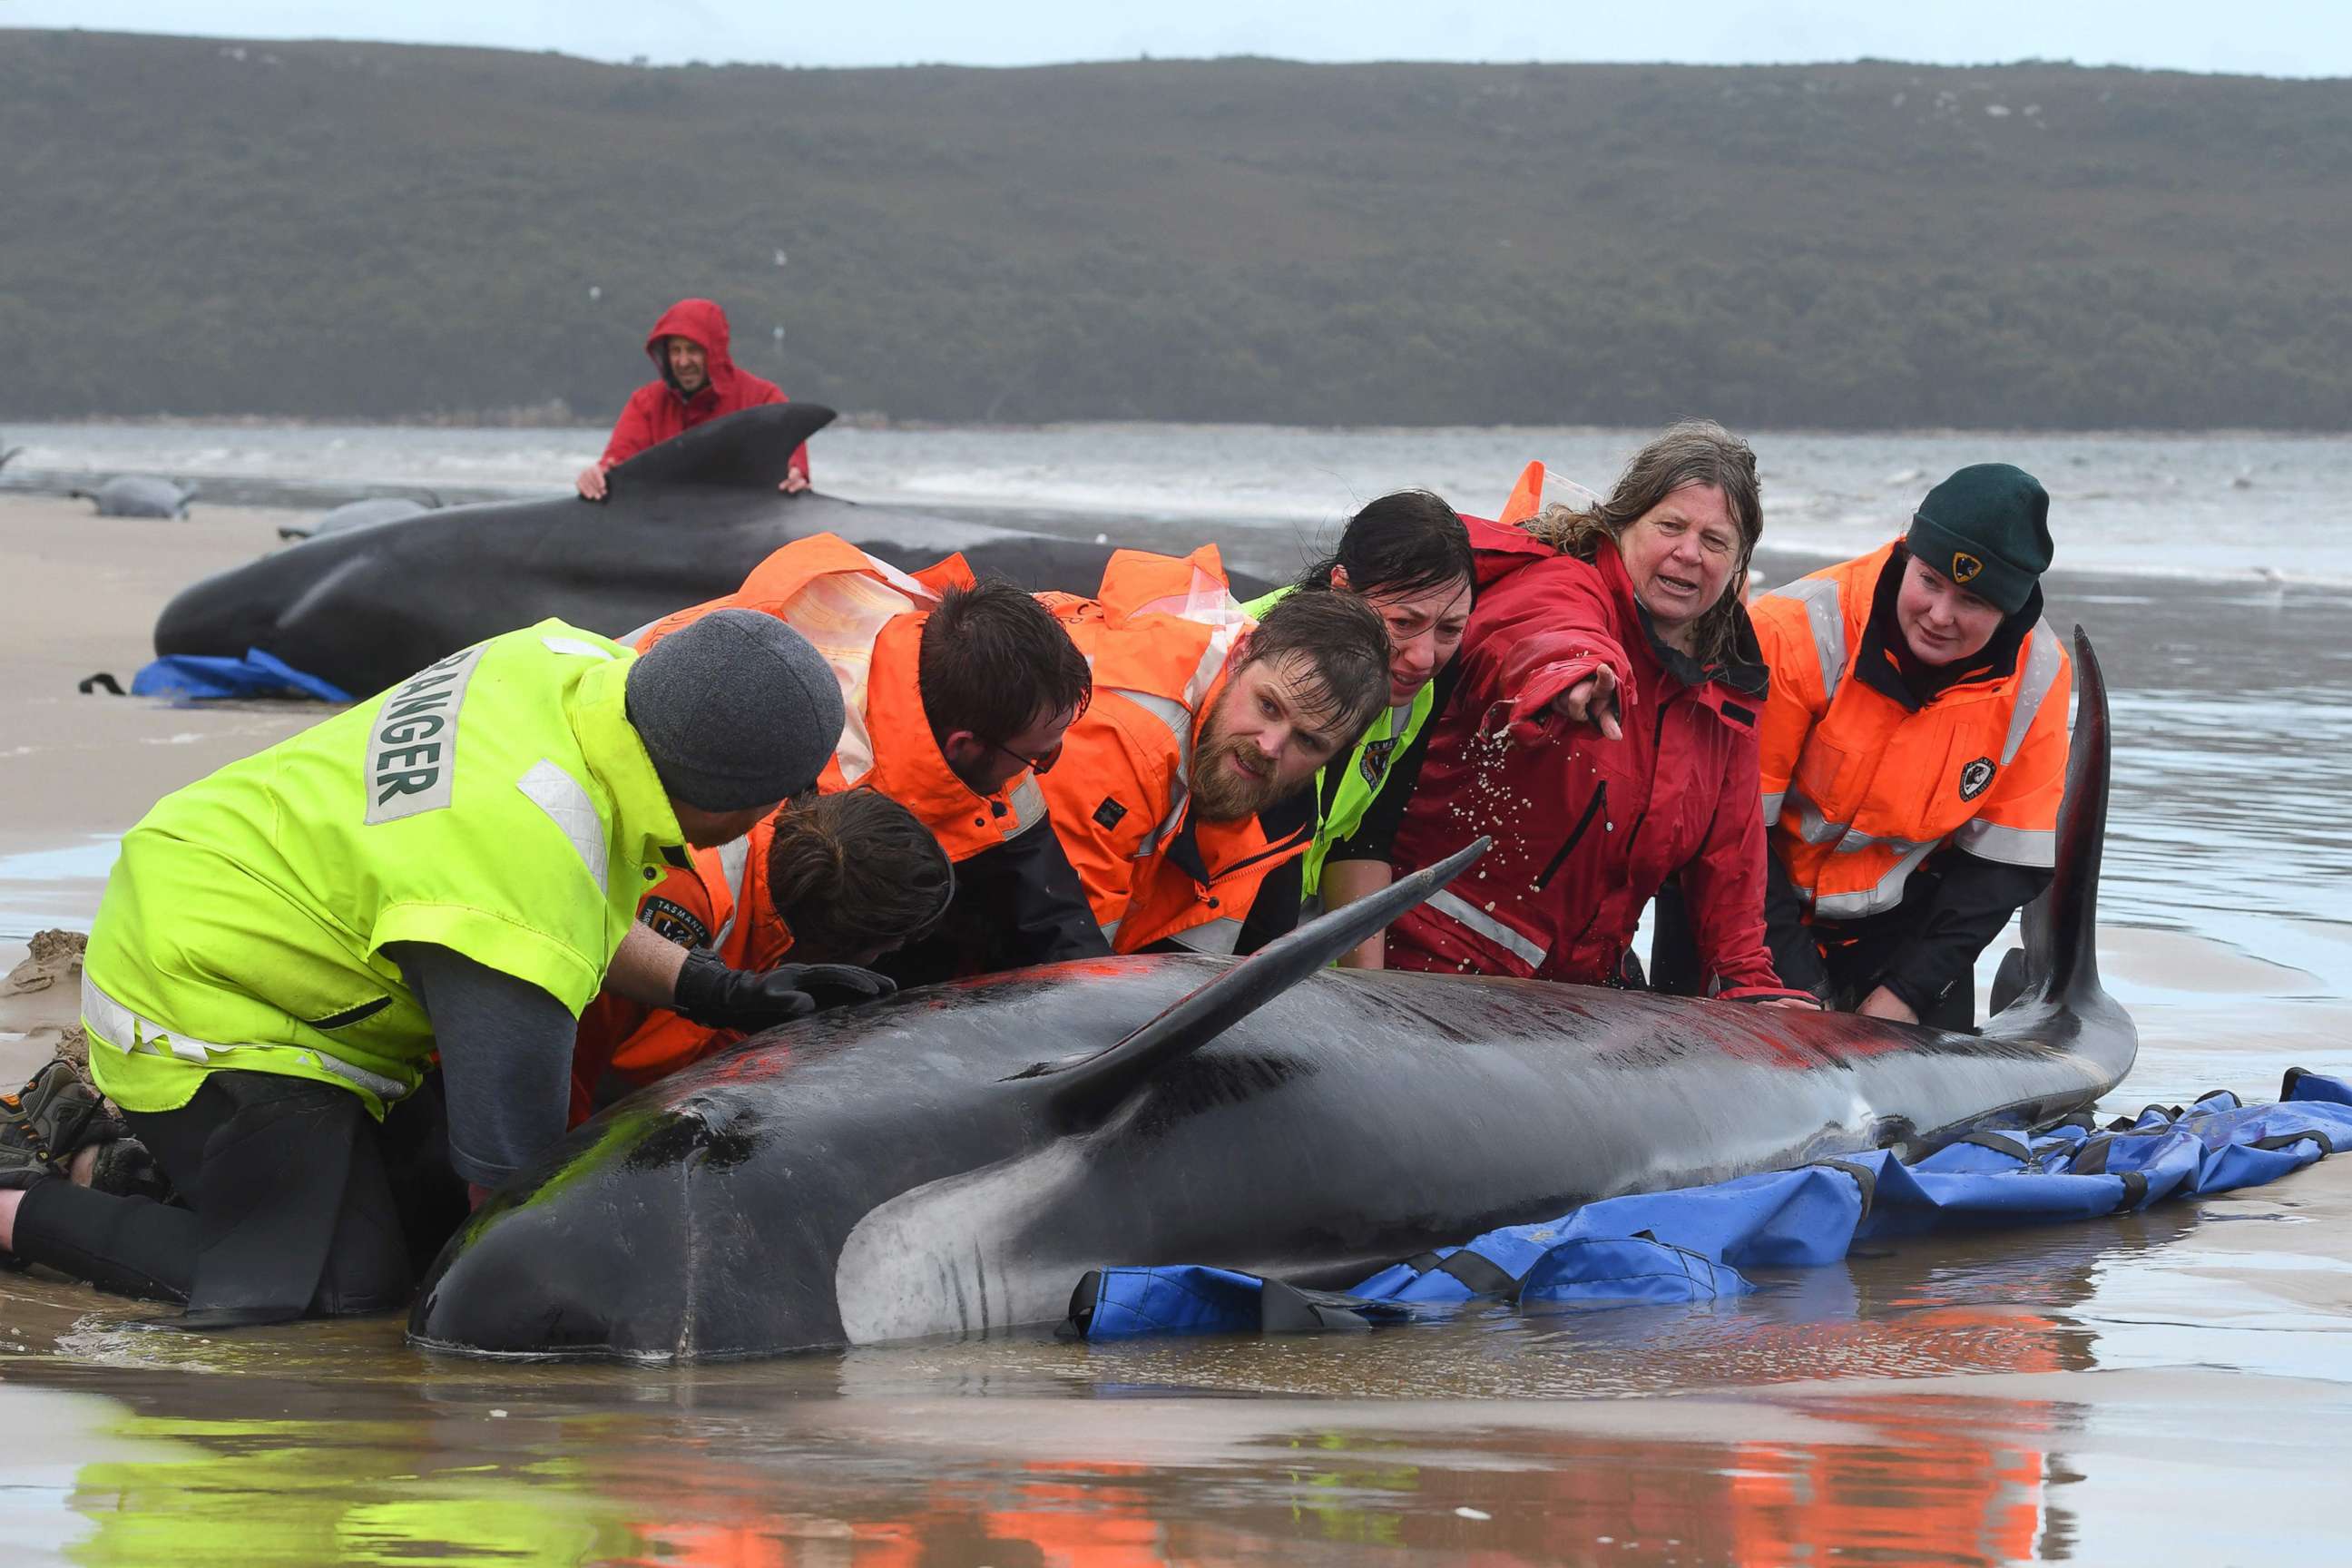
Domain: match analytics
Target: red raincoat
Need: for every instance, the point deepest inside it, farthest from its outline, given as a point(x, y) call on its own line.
point(1586, 829)
point(656, 411)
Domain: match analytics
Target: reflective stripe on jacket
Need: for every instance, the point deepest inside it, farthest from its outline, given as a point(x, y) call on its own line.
point(496, 803)
point(1157, 638)
point(1860, 788)
point(866, 617)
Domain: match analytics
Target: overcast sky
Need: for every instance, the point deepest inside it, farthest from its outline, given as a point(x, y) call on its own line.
point(2278, 38)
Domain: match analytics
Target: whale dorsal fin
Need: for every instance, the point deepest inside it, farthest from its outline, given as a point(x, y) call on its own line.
point(2062, 942)
point(748, 450)
point(1085, 1089)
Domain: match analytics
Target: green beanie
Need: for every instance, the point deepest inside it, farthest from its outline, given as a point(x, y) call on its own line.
point(1988, 529)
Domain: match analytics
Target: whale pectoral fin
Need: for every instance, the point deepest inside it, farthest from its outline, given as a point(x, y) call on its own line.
point(1083, 1089)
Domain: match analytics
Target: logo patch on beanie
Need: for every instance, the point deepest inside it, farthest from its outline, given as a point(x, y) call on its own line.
point(1966, 567)
point(1976, 778)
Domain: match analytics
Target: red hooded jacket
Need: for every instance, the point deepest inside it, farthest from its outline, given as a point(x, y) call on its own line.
point(1586, 828)
point(656, 411)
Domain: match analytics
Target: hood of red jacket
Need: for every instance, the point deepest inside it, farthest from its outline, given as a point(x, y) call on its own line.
point(703, 322)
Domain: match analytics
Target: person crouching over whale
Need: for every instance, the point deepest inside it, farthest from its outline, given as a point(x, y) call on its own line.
point(1406, 555)
point(958, 696)
point(1914, 752)
point(837, 879)
point(696, 381)
point(1183, 795)
point(284, 947)
point(1604, 731)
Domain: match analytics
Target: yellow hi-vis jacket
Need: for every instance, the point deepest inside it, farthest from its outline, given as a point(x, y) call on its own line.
point(496, 803)
point(1860, 789)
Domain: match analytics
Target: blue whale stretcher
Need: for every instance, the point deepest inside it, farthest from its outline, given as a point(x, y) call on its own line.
point(1690, 1243)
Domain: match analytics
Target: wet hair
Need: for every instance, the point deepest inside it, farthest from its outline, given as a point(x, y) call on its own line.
point(1407, 541)
point(993, 660)
point(855, 873)
point(1347, 652)
point(1693, 452)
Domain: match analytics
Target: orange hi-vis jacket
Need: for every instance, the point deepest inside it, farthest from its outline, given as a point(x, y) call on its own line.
point(720, 902)
point(1860, 788)
point(866, 617)
point(1539, 488)
point(1158, 638)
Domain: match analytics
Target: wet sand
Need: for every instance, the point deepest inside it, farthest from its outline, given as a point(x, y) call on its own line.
point(2162, 1386)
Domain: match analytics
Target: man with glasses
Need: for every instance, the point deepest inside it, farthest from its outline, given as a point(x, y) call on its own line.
point(959, 693)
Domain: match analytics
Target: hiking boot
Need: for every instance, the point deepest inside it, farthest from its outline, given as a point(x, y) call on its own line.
point(44, 1122)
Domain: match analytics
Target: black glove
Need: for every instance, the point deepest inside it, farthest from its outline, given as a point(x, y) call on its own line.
point(717, 998)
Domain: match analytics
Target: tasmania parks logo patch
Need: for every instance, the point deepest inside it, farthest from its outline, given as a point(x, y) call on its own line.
point(673, 922)
point(1976, 778)
point(1375, 761)
point(1966, 568)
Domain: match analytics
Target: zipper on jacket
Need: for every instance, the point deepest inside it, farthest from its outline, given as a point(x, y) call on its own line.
point(1591, 810)
point(1657, 745)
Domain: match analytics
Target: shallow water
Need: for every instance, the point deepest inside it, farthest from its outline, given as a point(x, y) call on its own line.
point(2163, 1385)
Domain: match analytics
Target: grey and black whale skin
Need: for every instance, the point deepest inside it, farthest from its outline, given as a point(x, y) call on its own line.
point(912, 1168)
point(364, 607)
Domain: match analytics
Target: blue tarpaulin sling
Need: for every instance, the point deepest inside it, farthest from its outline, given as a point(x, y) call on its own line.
point(204, 676)
point(1689, 1245)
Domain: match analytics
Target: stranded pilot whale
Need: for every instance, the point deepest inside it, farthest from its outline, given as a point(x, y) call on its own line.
point(912, 1168)
point(138, 495)
point(363, 607)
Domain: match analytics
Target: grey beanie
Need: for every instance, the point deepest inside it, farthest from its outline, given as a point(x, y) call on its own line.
point(736, 710)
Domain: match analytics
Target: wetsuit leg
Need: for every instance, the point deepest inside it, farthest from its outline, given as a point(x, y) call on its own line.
point(290, 1213)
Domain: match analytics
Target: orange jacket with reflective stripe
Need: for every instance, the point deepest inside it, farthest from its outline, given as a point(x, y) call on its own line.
point(720, 902)
point(1860, 788)
point(866, 618)
point(1157, 638)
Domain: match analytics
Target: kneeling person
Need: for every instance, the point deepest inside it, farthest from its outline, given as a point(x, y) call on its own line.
point(841, 879)
point(284, 947)
point(1914, 752)
point(1182, 796)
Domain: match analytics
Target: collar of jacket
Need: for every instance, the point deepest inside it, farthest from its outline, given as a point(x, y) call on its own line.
point(908, 766)
point(1885, 662)
point(1742, 675)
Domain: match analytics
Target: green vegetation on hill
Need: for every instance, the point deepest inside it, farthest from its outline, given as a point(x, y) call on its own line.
point(376, 231)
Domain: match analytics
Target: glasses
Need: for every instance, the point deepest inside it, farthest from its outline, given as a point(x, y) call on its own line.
point(1043, 762)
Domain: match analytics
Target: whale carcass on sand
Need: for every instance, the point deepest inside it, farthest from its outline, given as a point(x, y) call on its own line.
point(364, 607)
point(912, 1168)
point(139, 495)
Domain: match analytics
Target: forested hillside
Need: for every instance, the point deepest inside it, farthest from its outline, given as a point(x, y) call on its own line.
point(375, 231)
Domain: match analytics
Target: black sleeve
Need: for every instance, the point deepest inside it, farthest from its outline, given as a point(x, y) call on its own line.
point(1275, 911)
point(1376, 834)
point(1795, 958)
point(1970, 905)
point(1017, 904)
point(505, 1058)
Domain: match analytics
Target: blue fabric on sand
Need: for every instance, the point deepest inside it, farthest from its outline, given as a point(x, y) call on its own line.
point(1689, 1245)
point(204, 676)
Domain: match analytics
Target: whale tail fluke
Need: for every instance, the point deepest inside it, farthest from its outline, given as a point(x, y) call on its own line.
point(1083, 1090)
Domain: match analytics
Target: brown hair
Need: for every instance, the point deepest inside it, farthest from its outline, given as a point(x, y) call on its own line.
point(1693, 452)
point(1346, 646)
point(855, 873)
point(994, 661)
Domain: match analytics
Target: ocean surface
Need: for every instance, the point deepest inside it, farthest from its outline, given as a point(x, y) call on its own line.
point(2166, 1387)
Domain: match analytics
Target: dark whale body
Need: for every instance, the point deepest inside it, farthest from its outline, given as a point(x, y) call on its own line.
point(912, 1168)
point(365, 606)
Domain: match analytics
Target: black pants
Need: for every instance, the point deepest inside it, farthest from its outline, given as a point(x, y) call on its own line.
point(299, 1205)
point(1854, 955)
